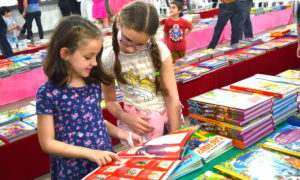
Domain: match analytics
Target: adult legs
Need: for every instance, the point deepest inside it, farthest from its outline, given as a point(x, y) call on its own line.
point(29, 18)
point(65, 11)
point(238, 20)
point(248, 31)
point(225, 13)
point(37, 17)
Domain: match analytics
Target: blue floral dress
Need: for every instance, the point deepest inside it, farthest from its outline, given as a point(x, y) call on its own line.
point(78, 121)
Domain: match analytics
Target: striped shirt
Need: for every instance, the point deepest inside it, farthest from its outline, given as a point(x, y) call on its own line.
point(139, 72)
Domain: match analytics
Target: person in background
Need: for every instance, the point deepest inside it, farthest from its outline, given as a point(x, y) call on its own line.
point(143, 69)
point(32, 11)
point(233, 10)
point(100, 13)
point(70, 124)
point(21, 9)
point(11, 25)
point(4, 44)
point(176, 30)
point(248, 31)
point(68, 7)
point(298, 29)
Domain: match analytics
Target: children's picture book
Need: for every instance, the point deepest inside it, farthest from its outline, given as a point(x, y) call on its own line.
point(208, 145)
point(285, 139)
point(269, 88)
point(8, 117)
point(155, 159)
point(185, 77)
point(32, 121)
point(16, 130)
point(210, 175)
point(261, 164)
point(19, 58)
point(26, 111)
point(231, 99)
point(293, 74)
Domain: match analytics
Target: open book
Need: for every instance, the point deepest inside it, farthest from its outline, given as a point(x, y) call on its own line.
point(155, 159)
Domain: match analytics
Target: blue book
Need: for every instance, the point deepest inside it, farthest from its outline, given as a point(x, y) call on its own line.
point(285, 139)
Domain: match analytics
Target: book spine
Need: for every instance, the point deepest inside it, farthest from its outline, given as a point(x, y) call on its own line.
point(257, 91)
point(201, 118)
point(231, 173)
point(293, 153)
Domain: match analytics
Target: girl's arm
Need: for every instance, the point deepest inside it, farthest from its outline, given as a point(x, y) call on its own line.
point(172, 99)
point(136, 122)
point(49, 144)
point(121, 134)
point(165, 37)
point(12, 28)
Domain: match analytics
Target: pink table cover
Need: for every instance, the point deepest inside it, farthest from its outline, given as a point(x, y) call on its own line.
point(24, 85)
point(21, 86)
point(201, 38)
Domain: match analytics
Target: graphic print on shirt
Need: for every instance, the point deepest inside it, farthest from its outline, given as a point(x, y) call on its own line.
point(176, 33)
point(144, 88)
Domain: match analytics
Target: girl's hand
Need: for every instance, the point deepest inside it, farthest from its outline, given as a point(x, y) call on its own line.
point(132, 139)
point(24, 13)
point(101, 157)
point(138, 123)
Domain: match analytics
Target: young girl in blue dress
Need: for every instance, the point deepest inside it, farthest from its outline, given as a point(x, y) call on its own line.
point(70, 123)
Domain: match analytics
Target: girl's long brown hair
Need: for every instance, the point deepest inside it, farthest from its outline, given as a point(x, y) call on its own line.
point(69, 33)
point(141, 17)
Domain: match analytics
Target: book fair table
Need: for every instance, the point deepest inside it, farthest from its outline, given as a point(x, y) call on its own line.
point(25, 156)
point(201, 38)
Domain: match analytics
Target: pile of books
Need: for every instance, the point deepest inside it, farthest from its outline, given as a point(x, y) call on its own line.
point(185, 72)
point(213, 64)
point(283, 90)
point(244, 117)
point(18, 123)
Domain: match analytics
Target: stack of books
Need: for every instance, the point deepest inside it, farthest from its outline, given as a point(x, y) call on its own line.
point(213, 64)
point(20, 58)
point(16, 130)
point(283, 91)
point(213, 52)
point(17, 68)
point(244, 117)
point(187, 60)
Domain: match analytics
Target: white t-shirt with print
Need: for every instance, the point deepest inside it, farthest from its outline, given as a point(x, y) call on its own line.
point(140, 75)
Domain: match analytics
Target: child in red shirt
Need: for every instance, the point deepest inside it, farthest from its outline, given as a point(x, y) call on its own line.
point(176, 30)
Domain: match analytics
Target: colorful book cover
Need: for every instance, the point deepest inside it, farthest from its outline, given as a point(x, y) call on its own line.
point(293, 74)
point(191, 162)
point(8, 117)
point(231, 99)
point(212, 63)
point(269, 88)
point(26, 111)
point(197, 71)
point(13, 130)
point(156, 159)
point(285, 139)
point(208, 145)
point(278, 79)
point(261, 164)
point(210, 175)
point(21, 57)
point(32, 121)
